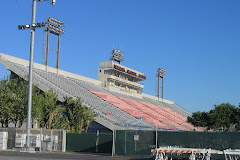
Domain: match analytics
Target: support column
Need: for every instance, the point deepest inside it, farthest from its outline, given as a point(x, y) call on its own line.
point(47, 48)
point(162, 88)
point(58, 50)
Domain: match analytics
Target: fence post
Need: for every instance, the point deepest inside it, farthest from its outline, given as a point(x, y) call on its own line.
point(51, 140)
point(64, 140)
point(97, 141)
point(156, 137)
point(22, 140)
point(113, 145)
point(136, 142)
point(40, 140)
point(125, 142)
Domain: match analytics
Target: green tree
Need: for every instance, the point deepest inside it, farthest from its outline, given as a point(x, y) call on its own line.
point(89, 117)
point(82, 118)
point(5, 102)
point(222, 116)
point(237, 117)
point(49, 105)
point(60, 120)
point(199, 119)
point(219, 118)
point(68, 111)
point(78, 113)
point(72, 111)
point(19, 90)
point(75, 114)
point(13, 100)
point(38, 102)
point(71, 115)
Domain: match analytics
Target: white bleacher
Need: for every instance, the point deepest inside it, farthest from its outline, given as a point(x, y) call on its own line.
point(88, 85)
point(67, 86)
point(55, 89)
point(40, 80)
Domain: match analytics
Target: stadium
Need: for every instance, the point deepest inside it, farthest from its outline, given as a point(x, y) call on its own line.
point(116, 96)
point(127, 123)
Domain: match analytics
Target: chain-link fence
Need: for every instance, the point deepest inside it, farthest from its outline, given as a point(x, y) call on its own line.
point(130, 142)
point(89, 142)
point(40, 139)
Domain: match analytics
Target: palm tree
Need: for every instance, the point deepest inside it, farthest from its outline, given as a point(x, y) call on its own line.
point(89, 117)
point(78, 115)
point(68, 105)
point(50, 99)
point(82, 118)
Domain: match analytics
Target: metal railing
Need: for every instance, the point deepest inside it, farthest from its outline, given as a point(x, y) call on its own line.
point(51, 140)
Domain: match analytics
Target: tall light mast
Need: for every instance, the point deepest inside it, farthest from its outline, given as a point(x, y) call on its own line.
point(160, 74)
point(33, 26)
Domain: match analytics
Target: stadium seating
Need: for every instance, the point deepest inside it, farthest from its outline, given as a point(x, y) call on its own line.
point(133, 107)
point(158, 112)
point(173, 109)
point(135, 110)
point(171, 106)
point(126, 111)
point(66, 87)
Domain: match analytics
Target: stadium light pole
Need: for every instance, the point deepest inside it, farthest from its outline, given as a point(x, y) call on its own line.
point(162, 89)
point(53, 27)
point(161, 74)
point(33, 27)
point(117, 56)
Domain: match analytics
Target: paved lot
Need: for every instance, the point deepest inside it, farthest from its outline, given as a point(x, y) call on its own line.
point(16, 155)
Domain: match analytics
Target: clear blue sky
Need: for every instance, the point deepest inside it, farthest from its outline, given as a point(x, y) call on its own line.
point(196, 41)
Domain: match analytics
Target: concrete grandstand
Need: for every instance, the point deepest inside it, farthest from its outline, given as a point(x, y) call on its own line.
point(116, 96)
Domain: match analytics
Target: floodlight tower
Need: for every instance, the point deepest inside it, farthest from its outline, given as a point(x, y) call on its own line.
point(54, 27)
point(32, 27)
point(117, 56)
point(160, 74)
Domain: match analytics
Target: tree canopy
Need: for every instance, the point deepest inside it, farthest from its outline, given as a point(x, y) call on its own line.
point(13, 101)
point(74, 114)
point(47, 111)
point(224, 117)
